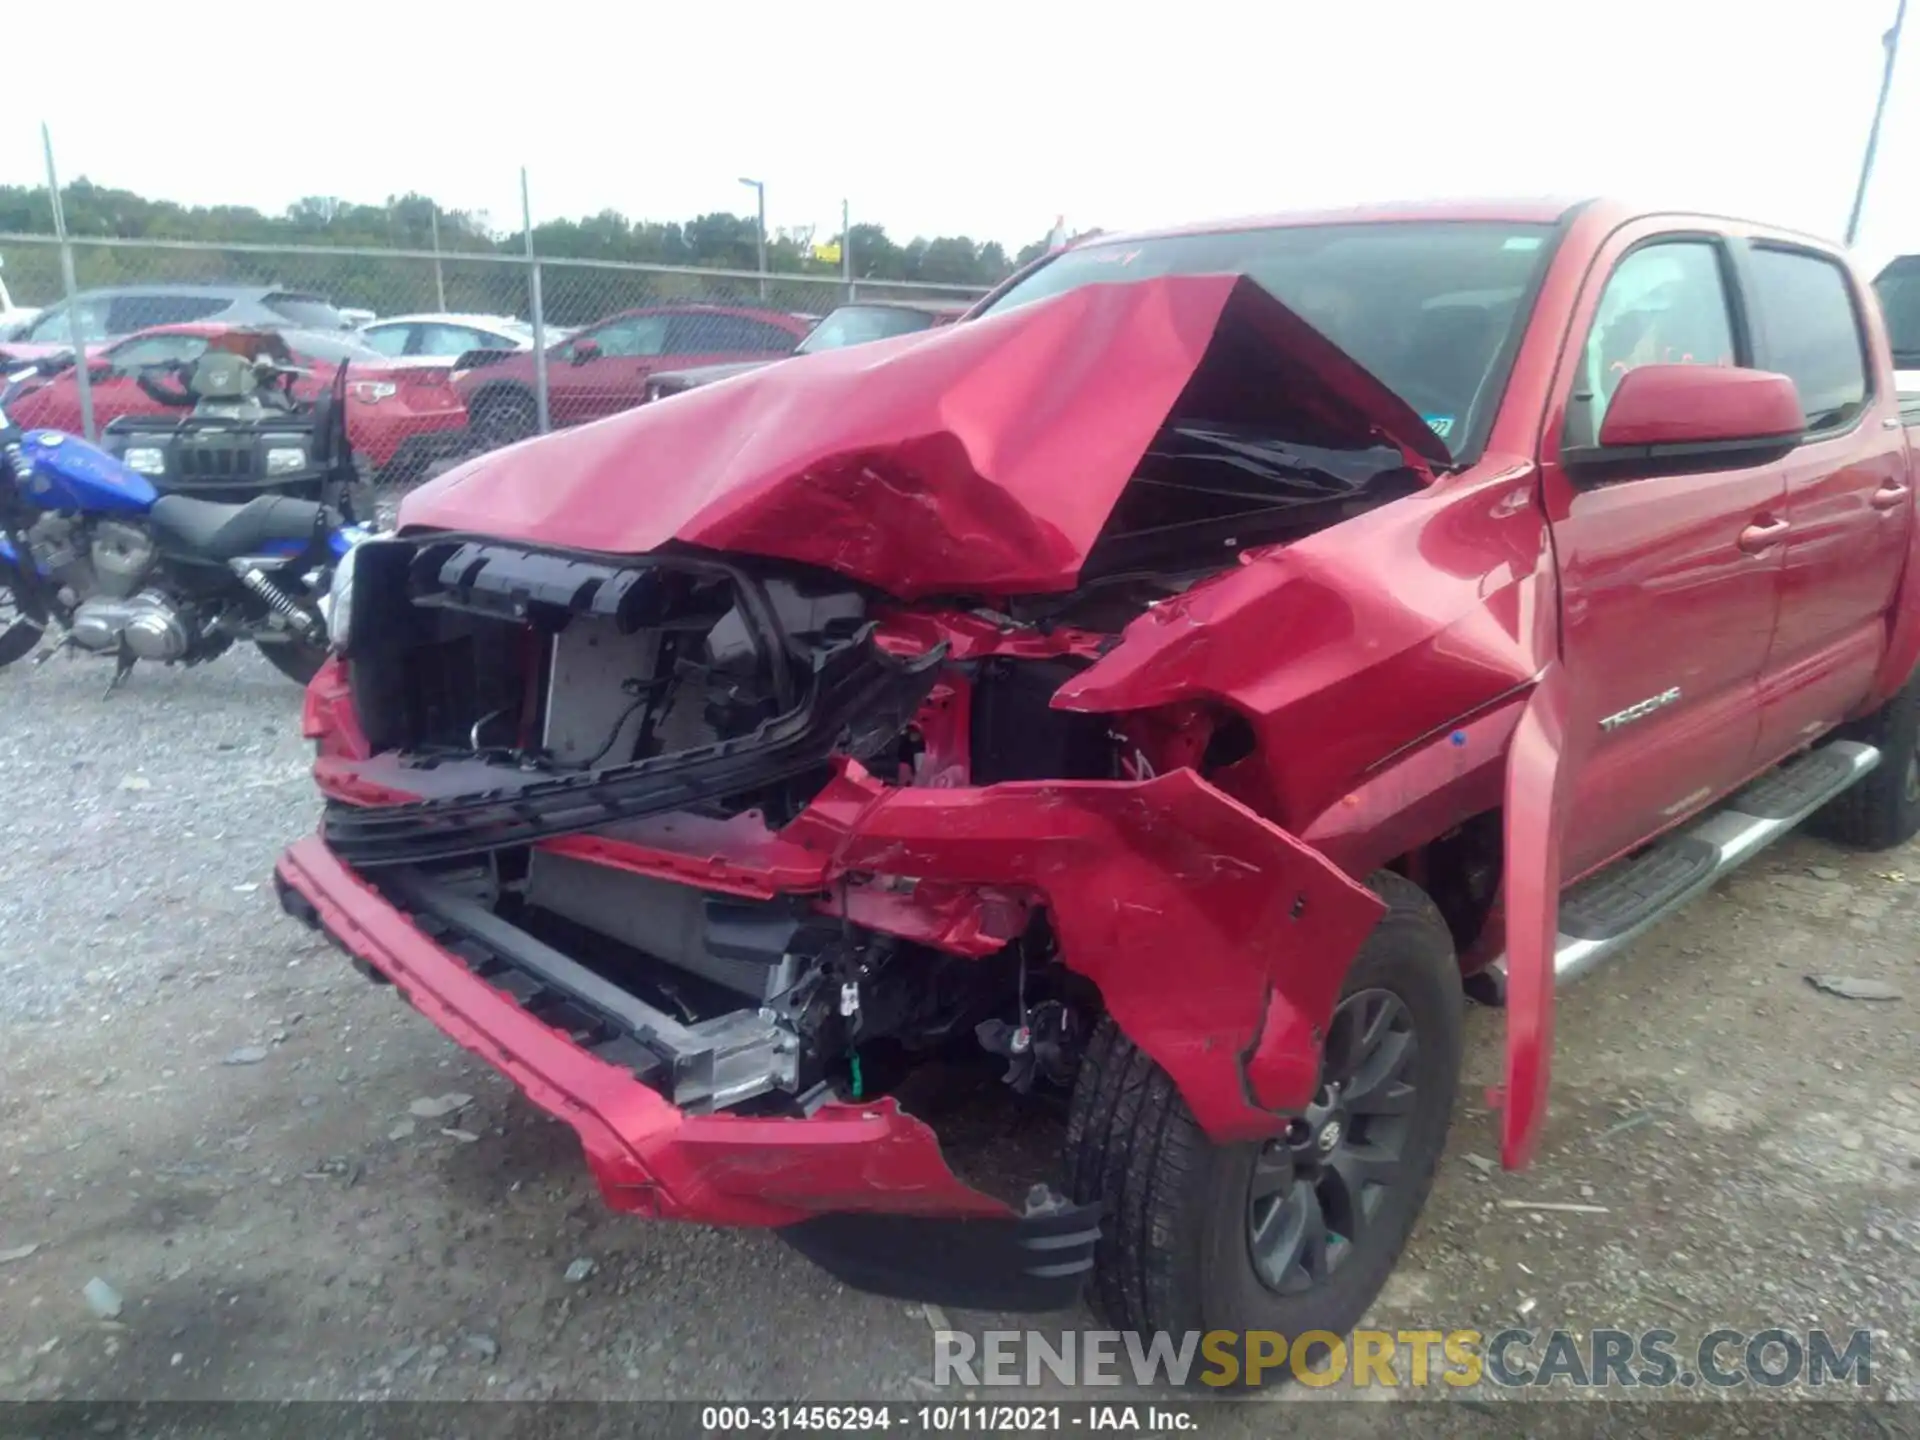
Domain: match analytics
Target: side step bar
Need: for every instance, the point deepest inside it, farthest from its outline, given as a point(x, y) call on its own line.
point(1600, 915)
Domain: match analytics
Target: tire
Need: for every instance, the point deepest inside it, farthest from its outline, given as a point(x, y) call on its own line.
point(1883, 810)
point(19, 633)
point(1177, 1247)
point(503, 417)
point(297, 661)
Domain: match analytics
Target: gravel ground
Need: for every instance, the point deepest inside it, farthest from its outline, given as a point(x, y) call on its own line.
point(204, 1107)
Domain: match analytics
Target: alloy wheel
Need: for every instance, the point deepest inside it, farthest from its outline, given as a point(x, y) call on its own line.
point(1316, 1189)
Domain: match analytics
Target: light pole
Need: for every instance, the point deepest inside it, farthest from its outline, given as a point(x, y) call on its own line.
point(1891, 40)
point(759, 188)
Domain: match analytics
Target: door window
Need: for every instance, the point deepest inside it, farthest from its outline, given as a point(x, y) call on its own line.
point(388, 339)
point(51, 328)
point(448, 341)
point(1811, 332)
point(636, 336)
point(1665, 304)
point(141, 312)
point(708, 334)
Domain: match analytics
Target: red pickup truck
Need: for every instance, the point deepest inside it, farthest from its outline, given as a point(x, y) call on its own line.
point(1174, 685)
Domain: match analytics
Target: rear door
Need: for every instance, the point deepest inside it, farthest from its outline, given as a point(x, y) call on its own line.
point(700, 338)
point(1848, 503)
point(1668, 583)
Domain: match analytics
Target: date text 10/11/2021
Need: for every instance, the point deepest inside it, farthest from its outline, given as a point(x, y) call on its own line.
point(982, 1418)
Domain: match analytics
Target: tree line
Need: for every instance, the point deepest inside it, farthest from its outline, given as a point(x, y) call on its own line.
point(719, 240)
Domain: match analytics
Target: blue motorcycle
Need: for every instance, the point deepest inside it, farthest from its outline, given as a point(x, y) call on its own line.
point(91, 546)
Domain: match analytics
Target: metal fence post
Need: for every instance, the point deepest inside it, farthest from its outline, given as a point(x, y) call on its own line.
point(439, 278)
point(538, 314)
point(1891, 42)
point(82, 379)
point(846, 250)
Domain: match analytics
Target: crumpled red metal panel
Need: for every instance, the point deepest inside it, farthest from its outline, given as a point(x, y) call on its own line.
point(1219, 942)
point(982, 457)
point(648, 1156)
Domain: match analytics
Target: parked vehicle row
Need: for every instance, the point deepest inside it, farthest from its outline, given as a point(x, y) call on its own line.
point(430, 387)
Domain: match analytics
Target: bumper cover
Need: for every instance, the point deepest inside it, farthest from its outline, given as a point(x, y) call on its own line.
point(861, 1189)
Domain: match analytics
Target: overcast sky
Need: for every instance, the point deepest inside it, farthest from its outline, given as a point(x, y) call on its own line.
point(985, 119)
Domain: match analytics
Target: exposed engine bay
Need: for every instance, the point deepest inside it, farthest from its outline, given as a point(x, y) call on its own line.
point(534, 697)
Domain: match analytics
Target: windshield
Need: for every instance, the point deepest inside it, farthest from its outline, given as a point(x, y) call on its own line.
point(52, 327)
point(857, 324)
point(1430, 308)
point(1899, 290)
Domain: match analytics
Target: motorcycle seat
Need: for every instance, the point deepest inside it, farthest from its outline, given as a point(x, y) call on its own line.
point(207, 529)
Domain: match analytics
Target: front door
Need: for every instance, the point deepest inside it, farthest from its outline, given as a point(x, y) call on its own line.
point(1668, 583)
point(1668, 595)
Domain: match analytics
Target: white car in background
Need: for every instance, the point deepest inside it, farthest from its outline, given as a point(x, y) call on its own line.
point(13, 317)
point(449, 336)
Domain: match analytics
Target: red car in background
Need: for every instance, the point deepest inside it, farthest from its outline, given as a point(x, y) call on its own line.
point(604, 368)
point(402, 413)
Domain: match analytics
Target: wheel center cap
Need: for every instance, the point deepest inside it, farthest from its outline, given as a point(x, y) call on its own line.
point(1330, 1134)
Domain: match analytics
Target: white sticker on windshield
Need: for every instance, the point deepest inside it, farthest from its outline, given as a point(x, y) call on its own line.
point(1441, 425)
point(1522, 242)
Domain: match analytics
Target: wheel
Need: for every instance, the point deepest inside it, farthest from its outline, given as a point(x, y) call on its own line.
point(1298, 1233)
point(1882, 810)
point(295, 659)
point(19, 632)
point(501, 417)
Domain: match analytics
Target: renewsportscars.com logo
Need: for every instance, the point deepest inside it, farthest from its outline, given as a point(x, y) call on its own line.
point(1397, 1359)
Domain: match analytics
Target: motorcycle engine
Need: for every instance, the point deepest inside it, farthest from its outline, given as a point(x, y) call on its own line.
point(54, 541)
point(102, 583)
point(150, 623)
point(107, 558)
point(122, 555)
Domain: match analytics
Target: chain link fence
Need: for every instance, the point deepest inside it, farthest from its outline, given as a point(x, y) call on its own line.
point(449, 353)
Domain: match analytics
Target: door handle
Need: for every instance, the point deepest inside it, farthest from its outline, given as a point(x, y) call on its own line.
point(1890, 496)
point(1762, 536)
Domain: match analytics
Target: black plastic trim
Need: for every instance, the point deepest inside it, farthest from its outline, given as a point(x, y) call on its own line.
point(1023, 1264)
point(853, 684)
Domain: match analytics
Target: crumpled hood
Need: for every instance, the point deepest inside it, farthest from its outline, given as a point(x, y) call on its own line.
point(982, 457)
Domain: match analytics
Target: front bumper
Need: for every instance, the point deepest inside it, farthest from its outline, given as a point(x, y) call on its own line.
point(861, 1189)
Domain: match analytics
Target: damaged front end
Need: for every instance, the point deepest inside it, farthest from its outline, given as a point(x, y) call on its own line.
point(720, 855)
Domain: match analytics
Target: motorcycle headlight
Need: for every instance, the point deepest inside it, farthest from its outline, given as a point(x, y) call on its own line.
point(282, 460)
point(339, 606)
point(146, 460)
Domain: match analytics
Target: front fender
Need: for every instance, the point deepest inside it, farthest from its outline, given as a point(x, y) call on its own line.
point(1219, 942)
point(1539, 772)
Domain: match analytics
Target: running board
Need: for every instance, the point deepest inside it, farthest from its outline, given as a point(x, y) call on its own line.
point(1603, 913)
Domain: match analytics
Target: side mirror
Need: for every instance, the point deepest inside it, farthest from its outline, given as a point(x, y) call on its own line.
point(1672, 418)
point(583, 351)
